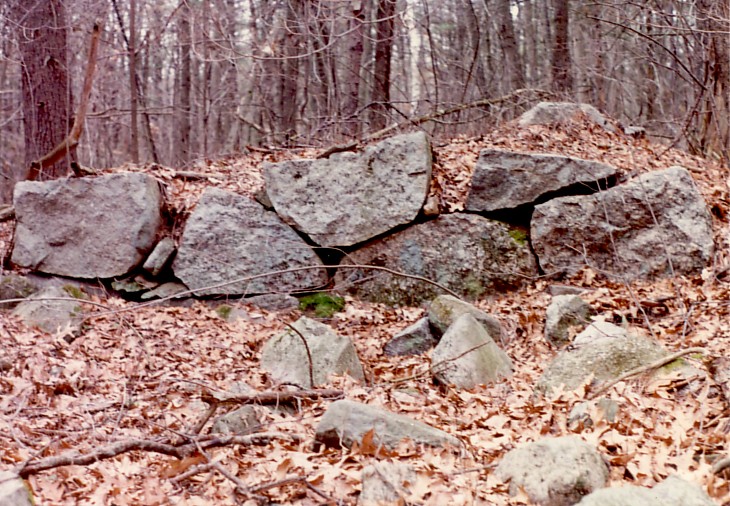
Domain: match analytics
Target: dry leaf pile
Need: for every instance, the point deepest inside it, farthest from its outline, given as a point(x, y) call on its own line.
point(137, 376)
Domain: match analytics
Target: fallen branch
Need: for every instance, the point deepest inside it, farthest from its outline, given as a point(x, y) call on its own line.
point(644, 368)
point(271, 398)
point(72, 139)
point(179, 451)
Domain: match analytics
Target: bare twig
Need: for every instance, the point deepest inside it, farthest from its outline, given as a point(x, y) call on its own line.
point(309, 353)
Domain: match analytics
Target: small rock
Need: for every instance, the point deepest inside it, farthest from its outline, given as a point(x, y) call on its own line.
point(603, 351)
point(560, 112)
point(564, 313)
point(566, 290)
point(273, 301)
point(285, 357)
point(586, 414)
point(239, 421)
point(164, 290)
point(50, 315)
point(554, 472)
point(673, 491)
point(467, 356)
point(346, 422)
point(446, 309)
point(14, 491)
point(160, 256)
point(15, 286)
point(386, 483)
point(414, 340)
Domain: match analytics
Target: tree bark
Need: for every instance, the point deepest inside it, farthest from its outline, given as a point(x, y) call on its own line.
point(512, 57)
point(42, 35)
point(561, 61)
point(380, 96)
point(351, 82)
point(132, 57)
point(181, 149)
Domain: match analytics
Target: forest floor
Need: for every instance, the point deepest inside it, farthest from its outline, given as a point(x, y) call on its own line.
point(138, 374)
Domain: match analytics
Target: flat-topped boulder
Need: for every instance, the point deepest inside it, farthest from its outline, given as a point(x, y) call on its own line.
point(508, 180)
point(655, 225)
point(229, 237)
point(91, 227)
point(347, 198)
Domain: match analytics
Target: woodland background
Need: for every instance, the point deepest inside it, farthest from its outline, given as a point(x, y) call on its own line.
point(184, 81)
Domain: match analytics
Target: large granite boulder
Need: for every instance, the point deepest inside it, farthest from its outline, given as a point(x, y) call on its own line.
point(555, 471)
point(545, 113)
point(467, 356)
point(229, 236)
point(286, 360)
point(655, 225)
point(505, 180)
point(97, 227)
point(468, 254)
point(346, 422)
point(349, 198)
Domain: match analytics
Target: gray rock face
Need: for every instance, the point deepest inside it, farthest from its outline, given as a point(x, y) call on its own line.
point(239, 421)
point(229, 236)
point(563, 313)
point(348, 198)
point(414, 340)
point(346, 422)
point(467, 356)
point(506, 180)
point(655, 225)
point(285, 358)
point(14, 491)
point(554, 472)
point(602, 350)
point(385, 483)
point(50, 315)
point(15, 286)
point(446, 309)
point(471, 255)
point(86, 227)
point(671, 492)
point(559, 112)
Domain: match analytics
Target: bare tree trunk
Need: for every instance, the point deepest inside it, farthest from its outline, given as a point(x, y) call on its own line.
point(512, 57)
point(289, 74)
point(561, 62)
point(181, 149)
point(384, 30)
point(715, 20)
point(132, 55)
point(351, 82)
point(42, 35)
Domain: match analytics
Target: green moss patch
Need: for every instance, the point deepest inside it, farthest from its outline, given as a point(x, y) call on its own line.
point(323, 305)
